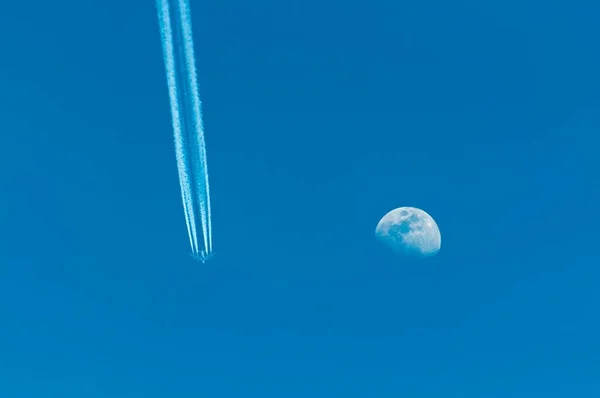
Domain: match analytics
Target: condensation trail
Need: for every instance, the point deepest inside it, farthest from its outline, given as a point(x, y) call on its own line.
point(188, 91)
point(166, 34)
point(202, 174)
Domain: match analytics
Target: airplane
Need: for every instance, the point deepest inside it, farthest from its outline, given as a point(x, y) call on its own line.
point(202, 256)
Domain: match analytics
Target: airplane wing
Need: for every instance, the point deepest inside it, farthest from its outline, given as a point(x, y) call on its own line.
point(202, 256)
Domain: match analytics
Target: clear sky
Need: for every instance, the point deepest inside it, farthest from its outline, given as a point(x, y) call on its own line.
point(321, 116)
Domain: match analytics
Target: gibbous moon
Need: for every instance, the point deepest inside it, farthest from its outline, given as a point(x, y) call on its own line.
point(410, 232)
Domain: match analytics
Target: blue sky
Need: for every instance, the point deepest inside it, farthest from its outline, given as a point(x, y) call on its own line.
point(320, 117)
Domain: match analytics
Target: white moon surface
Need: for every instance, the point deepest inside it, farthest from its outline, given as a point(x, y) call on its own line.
point(410, 232)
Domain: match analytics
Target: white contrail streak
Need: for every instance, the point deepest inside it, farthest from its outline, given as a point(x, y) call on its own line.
point(184, 181)
point(201, 175)
point(187, 99)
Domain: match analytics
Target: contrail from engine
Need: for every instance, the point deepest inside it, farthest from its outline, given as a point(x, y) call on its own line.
point(166, 34)
point(200, 166)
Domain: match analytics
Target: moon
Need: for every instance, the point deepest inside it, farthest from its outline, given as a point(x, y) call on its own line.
point(410, 232)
